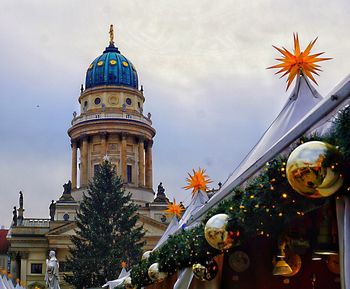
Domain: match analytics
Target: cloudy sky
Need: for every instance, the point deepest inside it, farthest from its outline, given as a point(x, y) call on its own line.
point(202, 64)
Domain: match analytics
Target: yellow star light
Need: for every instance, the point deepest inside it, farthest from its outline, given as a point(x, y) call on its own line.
point(198, 181)
point(175, 209)
point(299, 62)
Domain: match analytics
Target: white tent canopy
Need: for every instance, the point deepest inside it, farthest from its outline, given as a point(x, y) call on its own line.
point(171, 229)
point(6, 282)
point(302, 99)
point(314, 117)
point(2, 284)
point(114, 283)
point(198, 200)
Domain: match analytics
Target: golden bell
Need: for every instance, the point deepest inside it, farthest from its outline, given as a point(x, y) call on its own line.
point(282, 268)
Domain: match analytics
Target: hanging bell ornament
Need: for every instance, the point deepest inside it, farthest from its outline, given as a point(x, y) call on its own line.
point(127, 283)
point(205, 272)
point(155, 275)
point(312, 169)
point(216, 232)
point(146, 255)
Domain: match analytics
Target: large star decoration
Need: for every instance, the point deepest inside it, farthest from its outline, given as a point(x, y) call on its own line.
point(299, 62)
point(123, 264)
point(198, 181)
point(175, 209)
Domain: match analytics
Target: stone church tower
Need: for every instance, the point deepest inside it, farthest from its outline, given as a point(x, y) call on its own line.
point(111, 123)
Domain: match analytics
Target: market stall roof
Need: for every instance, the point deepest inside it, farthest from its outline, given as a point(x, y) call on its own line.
point(298, 116)
point(172, 227)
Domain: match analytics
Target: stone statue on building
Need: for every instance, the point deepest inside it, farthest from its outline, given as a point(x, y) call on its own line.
point(161, 197)
point(14, 218)
point(160, 190)
point(20, 210)
point(20, 200)
point(52, 272)
point(52, 210)
point(67, 190)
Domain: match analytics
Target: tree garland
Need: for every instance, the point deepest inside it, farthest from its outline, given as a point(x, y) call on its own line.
point(265, 206)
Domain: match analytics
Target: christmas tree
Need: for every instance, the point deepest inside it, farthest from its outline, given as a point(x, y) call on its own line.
point(107, 235)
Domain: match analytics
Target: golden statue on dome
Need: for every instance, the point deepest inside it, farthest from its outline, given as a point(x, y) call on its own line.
point(111, 35)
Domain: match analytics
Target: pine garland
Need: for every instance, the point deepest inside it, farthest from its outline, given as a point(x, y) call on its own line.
point(265, 206)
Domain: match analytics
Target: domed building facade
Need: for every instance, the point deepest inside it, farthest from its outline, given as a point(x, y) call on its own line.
point(110, 124)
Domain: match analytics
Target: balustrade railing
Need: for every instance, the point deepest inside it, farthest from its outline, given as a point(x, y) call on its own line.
point(97, 116)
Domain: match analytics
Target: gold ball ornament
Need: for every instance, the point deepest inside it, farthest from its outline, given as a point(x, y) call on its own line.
point(155, 275)
point(311, 170)
point(216, 233)
point(128, 284)
point(146, 255)
point(205, 272)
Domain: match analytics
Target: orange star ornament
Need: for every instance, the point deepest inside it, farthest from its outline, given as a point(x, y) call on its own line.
point(198, 181)
point(175, 209)
point(123, 264)
point(299, 62)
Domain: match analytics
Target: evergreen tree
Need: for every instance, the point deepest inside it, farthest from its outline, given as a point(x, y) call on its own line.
point(106, 232)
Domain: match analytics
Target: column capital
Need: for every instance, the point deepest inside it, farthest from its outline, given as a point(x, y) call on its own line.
point(12, 254)
point(124, 135)
point(141, 138)
point(24, 255)
point(149, 143)
point(84, 137)
point(103, 134)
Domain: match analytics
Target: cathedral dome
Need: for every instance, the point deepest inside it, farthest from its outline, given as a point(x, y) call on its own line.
point(111, 68)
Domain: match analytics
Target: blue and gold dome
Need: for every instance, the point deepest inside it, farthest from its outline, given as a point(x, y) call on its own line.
point(111, 68)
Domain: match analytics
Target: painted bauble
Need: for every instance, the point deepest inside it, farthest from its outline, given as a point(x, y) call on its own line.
point(128, 284)
point(205, 272)
point(312, 169)
point(216, 232)
point(155, 275)
point(145, 255)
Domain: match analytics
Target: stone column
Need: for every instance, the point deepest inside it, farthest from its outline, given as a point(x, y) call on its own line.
point(84, 162)
point(13, 264)
point(103, 136)
point(141, 162)
point(24, 263)
point(149, 174)
point(74, 164)
point(123, 156)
